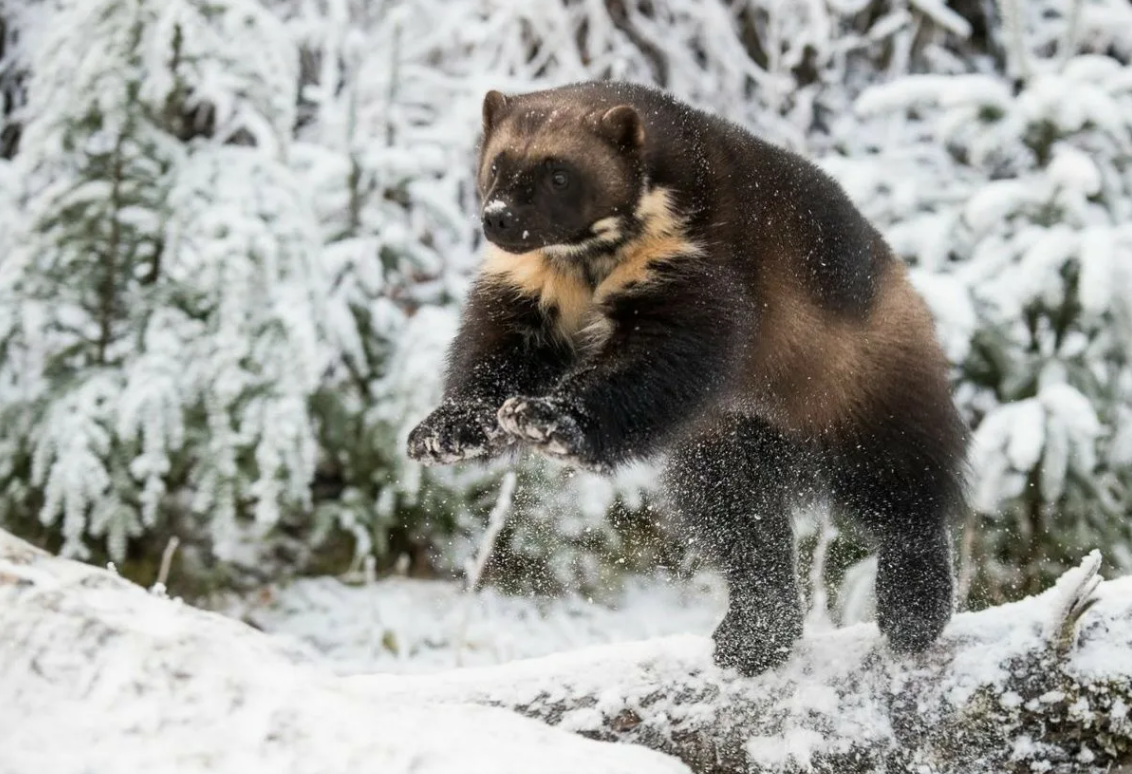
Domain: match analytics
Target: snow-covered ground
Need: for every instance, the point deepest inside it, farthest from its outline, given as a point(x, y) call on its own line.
point(405, 625)
point(97, 675)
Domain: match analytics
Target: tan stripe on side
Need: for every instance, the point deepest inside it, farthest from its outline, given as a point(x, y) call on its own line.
point(823, 370)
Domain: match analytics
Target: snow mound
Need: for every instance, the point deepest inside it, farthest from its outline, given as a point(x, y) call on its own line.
point(143, 683)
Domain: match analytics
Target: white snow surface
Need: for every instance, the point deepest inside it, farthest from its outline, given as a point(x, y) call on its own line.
point(149, 684)
point(827, 698)
point(144, 683)
point(406, 625)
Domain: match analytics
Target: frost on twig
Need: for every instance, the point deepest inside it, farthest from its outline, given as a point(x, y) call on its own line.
point(495, 523)
point(1072, 596)
point(817, 616)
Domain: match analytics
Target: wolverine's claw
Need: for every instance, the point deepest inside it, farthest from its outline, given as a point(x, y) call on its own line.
point(544, 424)
point(456, 432)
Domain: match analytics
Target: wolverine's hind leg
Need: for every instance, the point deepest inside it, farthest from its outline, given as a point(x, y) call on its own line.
point(903, 481)
point(732, 488)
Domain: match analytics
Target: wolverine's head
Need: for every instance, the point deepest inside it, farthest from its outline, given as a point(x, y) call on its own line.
point(559, 173)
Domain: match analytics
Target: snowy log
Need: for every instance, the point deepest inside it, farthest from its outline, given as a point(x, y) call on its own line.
point(1040, 685)
point(96, 674)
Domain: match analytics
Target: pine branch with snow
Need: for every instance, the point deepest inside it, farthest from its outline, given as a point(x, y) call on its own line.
point(156, 281)
point(1011, 199)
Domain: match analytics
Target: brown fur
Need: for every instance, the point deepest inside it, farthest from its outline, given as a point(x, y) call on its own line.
point(814, 371)
point(557, 136)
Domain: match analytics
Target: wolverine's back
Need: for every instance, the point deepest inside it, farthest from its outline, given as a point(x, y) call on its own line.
point(834, 328)
point(726, 178)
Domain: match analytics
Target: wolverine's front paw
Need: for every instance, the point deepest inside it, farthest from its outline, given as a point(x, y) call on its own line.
point(543, 423)
point(456, 432)
point(548, 426)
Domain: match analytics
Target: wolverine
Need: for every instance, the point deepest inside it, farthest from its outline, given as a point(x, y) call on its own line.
point(659, 281)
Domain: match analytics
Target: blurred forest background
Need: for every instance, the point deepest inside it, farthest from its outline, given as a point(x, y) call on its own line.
point(235, 235)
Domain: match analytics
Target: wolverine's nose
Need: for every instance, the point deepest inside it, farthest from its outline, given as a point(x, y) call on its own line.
point(499, 222)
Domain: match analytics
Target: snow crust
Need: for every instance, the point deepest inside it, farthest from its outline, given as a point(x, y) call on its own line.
point(148, 684)
point(413, 626)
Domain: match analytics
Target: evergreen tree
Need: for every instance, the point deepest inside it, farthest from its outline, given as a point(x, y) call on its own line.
point(157, 332)
point(233, 244)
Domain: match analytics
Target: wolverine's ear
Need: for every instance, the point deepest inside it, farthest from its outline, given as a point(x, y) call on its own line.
point(622, 125)
point(493, 104)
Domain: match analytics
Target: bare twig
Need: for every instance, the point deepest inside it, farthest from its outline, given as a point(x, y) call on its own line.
point(1017, 61)
point(167, 560)
point(473, 572)
point(966, 560)
point(495, 524)
point(1074, 594)
point(818, 615)
point(1068, 43)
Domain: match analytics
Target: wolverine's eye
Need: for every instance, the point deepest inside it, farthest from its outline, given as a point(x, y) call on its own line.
point(559, 179)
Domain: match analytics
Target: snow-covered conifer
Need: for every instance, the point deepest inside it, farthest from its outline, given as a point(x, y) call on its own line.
point(157, 327)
